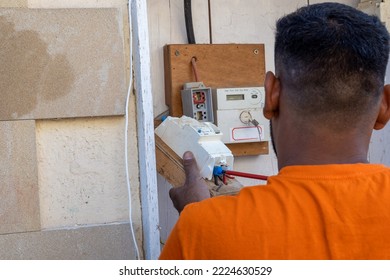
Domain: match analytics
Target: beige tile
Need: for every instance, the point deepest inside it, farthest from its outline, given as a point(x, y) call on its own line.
point(19, 201)
point(60, 63)
point(13, 3)
point(81, 171)
point(77, 3)
point(109, 242)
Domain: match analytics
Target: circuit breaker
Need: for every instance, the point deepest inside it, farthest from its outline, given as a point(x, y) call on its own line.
point(238, 114)
point(202, 138)
point(197, 102)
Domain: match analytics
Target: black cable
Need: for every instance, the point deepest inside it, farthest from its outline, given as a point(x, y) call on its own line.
point(188, 20)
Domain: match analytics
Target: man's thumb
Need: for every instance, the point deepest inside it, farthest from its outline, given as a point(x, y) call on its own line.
point(190, 166)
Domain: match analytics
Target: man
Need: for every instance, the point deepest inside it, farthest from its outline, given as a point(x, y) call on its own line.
point(327, 202)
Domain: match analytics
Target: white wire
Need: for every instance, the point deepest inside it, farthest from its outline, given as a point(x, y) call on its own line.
point(126, 132)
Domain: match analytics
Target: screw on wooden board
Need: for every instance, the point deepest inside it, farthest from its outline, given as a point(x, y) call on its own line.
point(256, 51)
point(177, 53)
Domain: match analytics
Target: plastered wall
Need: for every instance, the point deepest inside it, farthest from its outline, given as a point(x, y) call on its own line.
point(231, 21)
point(63, 192)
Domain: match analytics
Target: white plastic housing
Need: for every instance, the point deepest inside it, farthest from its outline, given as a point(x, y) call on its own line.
point(233, 110)
point(203, 139)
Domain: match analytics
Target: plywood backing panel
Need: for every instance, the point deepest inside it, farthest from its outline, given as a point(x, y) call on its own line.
point(221, 65)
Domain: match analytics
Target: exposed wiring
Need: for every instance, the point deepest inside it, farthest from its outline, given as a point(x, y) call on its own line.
point(188, 21)
point(221, 170)
point(229, 176)
point(195, 69)
point(246, 175)
point(126, 133)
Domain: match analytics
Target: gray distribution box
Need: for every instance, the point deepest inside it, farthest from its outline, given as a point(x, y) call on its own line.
point(197, 102)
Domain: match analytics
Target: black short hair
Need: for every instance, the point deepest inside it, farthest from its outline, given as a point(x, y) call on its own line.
point(333, 59)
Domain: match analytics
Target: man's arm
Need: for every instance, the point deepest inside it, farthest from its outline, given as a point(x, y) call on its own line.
point(194, 189)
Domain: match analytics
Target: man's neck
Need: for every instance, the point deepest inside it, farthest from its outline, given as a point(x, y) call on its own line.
point(320, 150)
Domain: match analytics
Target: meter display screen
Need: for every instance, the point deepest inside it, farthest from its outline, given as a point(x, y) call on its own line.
point(231, 97)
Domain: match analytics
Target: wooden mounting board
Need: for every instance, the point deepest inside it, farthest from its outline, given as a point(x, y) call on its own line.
point(170, 166)
point(219, 66)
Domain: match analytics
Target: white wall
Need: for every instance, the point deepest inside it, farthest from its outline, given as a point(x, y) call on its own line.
point(232, 21)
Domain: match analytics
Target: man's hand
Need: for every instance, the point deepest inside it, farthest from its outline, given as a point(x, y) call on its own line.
point(195, 188)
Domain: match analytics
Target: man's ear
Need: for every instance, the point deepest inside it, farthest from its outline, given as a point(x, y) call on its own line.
point(384, 110)
point(272, 93)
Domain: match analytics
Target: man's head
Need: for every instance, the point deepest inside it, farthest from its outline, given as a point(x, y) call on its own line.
point(330, 63)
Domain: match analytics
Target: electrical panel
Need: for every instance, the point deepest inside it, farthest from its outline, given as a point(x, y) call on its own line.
point(197, 102)
point(238, 114)
point(220, 66)
point(203, 139)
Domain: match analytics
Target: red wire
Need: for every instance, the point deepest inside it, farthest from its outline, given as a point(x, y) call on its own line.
point(246, 175)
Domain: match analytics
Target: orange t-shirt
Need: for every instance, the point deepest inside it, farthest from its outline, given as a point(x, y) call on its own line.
point(304, 212)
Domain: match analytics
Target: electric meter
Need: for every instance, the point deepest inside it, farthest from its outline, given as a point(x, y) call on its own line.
point(238, 113)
